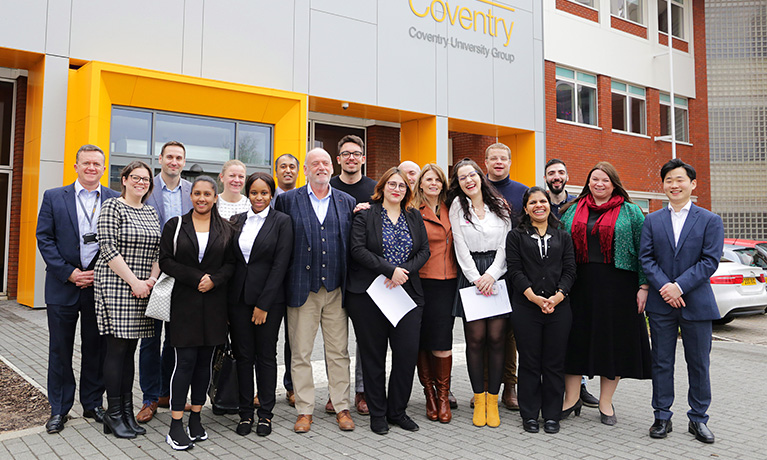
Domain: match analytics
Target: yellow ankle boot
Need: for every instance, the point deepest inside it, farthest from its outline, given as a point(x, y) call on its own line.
point(480, 416)
point(493, 418)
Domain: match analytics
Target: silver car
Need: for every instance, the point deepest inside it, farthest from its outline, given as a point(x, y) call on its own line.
point(739, 288)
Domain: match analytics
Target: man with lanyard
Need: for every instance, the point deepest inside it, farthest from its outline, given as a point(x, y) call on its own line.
point(556, 178)
point(66, 238)
point(170, 198)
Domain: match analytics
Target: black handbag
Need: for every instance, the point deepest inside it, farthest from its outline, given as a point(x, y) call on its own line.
point(224, 390)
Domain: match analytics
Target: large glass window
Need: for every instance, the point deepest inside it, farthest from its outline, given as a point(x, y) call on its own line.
point(681, 117)
point(677, 17)
point(209, 142)
point(576, 96)
point(627, 9)
point(628, 105)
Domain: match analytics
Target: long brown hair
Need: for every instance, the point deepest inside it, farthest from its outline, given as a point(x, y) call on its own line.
point(378, 195)
point(490, 195)
point(419, 198)
point(612, 173)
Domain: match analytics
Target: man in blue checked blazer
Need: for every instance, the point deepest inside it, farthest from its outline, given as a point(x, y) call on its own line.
point(66, 238)
point(322, 220)
point(679, 250)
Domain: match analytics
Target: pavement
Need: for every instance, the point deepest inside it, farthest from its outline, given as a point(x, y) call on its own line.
point(739, 362)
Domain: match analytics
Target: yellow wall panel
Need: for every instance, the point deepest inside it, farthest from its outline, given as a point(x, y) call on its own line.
point(418, 140)
point(522, 147)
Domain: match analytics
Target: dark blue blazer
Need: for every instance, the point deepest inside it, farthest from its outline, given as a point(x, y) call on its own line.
point(155, 199)
point(58, 239)
point(689, 263)
point(296, 203)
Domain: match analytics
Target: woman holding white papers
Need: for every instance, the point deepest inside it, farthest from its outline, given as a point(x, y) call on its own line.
point(480, 219)
point(541, 261)
point(388, 239)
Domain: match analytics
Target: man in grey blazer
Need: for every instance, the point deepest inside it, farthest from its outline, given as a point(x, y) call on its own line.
point(170, 198)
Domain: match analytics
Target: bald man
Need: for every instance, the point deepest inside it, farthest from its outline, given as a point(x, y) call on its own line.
point(412, 170)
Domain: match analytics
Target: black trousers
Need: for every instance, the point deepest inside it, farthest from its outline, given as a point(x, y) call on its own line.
point(374, 332)
point(62, 324)
point(542, 342)
point(194, 366)
point(257, 345)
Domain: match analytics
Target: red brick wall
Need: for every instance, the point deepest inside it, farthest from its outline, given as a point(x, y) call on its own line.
point(628, 26)
point(472, 146)
point(578, 10)
point(699, 157)
point(382, 150)
point(680, 45)
point(18, 163)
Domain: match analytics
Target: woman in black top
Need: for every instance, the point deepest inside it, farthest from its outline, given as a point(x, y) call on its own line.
point(262, 248)
point(541, 267)
point(201, 263)
point(388, 239)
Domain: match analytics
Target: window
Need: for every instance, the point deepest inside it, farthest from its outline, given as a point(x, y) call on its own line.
point(138, 134)
point(589, 3)
point(681, 122)
point(628, 108)
point(576, 96)
point(677, 17)
point(627, 9)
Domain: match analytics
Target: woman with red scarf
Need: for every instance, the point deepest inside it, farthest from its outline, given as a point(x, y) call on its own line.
point(609, 334)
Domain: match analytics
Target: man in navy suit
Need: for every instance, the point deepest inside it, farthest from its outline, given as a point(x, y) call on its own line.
point(66, 238)
point(322, 220)
point(680, 250)
point(171, 197)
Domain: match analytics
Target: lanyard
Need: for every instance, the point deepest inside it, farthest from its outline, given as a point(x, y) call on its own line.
point(89, 217)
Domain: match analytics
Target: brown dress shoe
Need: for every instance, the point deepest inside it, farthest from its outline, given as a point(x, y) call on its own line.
point(256, 402)
point(361, 404)
point(509, 398)
point(291, 397)
point(329, 407)
point(345, 422)
point(303, 424)
point(164, 402)
point(147, 412)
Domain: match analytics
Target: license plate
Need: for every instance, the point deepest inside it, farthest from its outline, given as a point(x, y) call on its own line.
point(749, 281)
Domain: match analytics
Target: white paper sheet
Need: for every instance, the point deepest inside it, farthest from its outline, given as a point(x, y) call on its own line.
point(476, 306)
point(393, 303)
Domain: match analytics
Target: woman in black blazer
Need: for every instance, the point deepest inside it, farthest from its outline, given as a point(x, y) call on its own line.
point(202, 264)
point(388, 239)
point(541, 267)
point(262, 247)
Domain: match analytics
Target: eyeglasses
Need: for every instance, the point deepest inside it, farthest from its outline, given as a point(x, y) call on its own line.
point(138, 179)
point(472, 174)
point(356, 155)
point(393, 185)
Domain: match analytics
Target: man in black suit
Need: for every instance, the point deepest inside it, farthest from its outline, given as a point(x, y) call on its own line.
point(66, 238)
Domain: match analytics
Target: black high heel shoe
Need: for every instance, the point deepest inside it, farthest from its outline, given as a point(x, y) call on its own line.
point(608, 419)
point(576, 408)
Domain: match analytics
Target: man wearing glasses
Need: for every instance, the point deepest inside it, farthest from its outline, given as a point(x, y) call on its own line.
point(351, 157)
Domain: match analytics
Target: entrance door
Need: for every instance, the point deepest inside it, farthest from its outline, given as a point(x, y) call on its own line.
point(327, 136)
point(7, 110)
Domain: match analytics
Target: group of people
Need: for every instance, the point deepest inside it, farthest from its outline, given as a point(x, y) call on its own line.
point(581, 273)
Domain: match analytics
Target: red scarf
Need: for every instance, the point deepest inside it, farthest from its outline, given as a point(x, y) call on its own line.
point(605, 226)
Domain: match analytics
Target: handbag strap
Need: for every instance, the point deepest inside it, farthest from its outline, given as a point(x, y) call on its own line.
point(175, 235)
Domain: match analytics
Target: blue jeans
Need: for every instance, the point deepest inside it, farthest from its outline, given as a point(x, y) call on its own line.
point(155, 368)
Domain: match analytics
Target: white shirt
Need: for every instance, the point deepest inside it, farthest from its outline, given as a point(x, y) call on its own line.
point(88, 206)
point(250, 230)
point(202, 243)
point(678, 219)
point(227, 209)
point(320, 205)
point(488, 234)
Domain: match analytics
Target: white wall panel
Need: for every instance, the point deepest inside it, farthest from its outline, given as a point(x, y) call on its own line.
point(193, 21)
point(301, 46)
point(57, 28)
point(250, 42)
point(361, 10)
point(140, 33)
point(22, 24)
point(342, 60)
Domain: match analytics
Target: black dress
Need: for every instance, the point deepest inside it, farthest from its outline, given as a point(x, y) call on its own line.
point(608, 337)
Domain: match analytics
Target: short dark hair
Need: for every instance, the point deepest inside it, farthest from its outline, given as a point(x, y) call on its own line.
point(554, 161)
point(89, 148)
point(129, 168)
point(354, 140)
point(264, 177)
point(170, 143)
point(677, 163)
point(284, 155)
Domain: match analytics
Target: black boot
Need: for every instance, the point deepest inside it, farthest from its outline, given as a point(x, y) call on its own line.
point(130, 418)
point(114, 421)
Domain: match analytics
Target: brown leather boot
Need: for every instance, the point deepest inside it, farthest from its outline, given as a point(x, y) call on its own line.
point(443, 367)
point(426, 376)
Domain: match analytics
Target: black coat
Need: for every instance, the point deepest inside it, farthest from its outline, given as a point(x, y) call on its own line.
point(196, 318)
point(260, 282)
point(367, 261)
